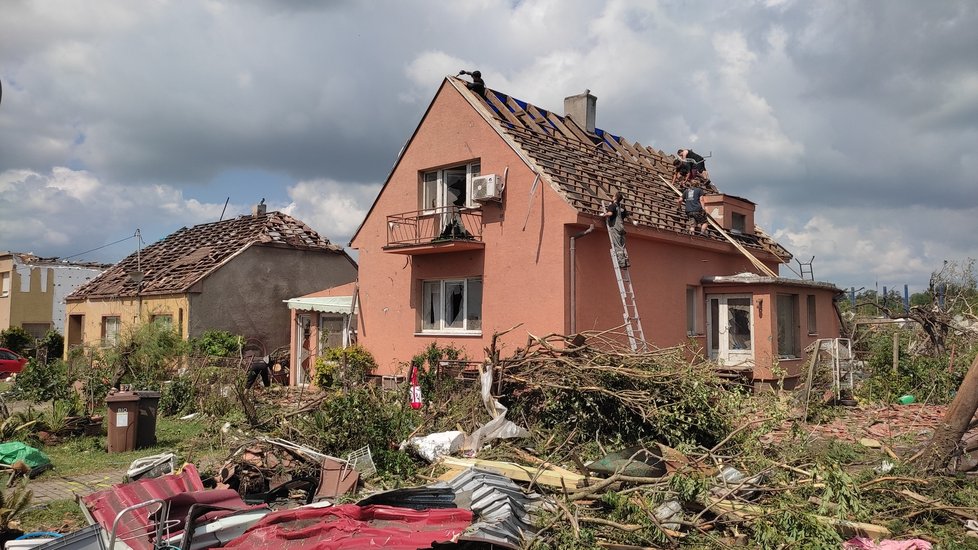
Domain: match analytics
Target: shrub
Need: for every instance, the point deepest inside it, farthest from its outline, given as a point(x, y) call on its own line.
point(177, 396)
point(43, 381)
point(925, 377)
point(350, 364)
point(427, 363)
point(54, 343)
point(16, 339)
point(217, 343)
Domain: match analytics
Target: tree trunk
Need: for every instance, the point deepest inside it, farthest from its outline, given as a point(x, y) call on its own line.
point(947, 434)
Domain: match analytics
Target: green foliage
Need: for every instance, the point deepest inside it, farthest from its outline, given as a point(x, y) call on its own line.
point(177, 396)
point(840, 491)
point(787, 527)
point(427, 363)
point(217, 343)
point(349, 365)
point(365, 416)
point(16, 339)
point(13, 503)
point(147, 355)
point(43, 381)
point(918, 375)
point(53, 343)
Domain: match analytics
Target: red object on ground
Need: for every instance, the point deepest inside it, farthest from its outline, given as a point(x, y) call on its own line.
point(10, 362)
point(349, 527)
point(181, 490)
point(415, 389)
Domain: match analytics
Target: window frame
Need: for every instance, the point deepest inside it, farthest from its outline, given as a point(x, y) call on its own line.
point(789, 330)
point(5, 282)
point(438, 178)
point(812, 315)
point(470, 327)
point(112, 340)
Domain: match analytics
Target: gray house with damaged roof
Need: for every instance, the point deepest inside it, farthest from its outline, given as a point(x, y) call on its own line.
point(229, 275)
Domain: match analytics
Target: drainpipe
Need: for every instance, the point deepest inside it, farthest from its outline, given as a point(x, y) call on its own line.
point(573, 277)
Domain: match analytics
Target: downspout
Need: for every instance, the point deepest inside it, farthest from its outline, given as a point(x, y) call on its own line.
point(573, 277)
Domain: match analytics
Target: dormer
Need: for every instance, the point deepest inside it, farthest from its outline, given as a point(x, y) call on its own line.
point(734, 214)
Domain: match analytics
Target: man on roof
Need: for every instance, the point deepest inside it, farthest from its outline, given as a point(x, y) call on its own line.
point(615, 213)
point(694, 207)
point(477, 85)
point(689, 166)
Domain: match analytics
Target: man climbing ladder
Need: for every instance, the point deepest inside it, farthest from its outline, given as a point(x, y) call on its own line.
point(615, 213)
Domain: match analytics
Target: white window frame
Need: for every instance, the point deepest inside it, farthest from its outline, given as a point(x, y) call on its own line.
point(111, 339)
point(438, 179)
point(469, 326)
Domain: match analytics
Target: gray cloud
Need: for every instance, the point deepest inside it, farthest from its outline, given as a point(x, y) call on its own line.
point(846, 122)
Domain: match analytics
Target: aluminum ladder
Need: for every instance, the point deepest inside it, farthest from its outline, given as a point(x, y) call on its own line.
point(633, 323)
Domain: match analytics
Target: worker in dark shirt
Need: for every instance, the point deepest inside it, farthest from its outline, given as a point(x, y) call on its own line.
point(689, 166)
point(695, 207)
point(616, 214)
point(477, 85)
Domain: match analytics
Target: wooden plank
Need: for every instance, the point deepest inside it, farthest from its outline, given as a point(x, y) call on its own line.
point(525, 117)
point(753, 259)
point(504, 110)
point(559, 124)
point(519, 472)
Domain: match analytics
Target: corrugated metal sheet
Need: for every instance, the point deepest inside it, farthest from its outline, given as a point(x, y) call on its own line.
point(182, 490)
point(501, 508)
point(350, 527)
point(324, 304)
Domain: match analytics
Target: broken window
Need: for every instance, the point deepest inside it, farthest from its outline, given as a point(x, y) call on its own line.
point(451, 305)
point(448, 187)
point(164, 321)
point(738, 222)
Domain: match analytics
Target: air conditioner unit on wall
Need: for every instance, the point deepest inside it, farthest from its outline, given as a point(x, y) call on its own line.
point(487, 188)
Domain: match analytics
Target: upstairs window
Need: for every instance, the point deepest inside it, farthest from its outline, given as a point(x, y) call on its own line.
point(4, 284)
point(452, 305)
point(738, 222)
point(448, 187)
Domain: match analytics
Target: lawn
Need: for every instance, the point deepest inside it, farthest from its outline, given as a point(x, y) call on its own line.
point(86, 455)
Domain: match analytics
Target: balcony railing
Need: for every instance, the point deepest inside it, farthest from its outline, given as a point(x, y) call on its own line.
point(449, 225)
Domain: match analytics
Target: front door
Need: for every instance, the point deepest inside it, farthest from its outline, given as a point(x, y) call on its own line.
point(305, 349)
point(730, 329)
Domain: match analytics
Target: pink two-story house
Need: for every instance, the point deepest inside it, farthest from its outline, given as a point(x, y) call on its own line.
point(485, 223)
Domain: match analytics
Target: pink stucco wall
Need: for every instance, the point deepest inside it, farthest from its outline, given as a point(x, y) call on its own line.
point(525, 269)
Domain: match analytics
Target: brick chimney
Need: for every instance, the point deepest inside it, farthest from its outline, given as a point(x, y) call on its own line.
point(259, 209)
point(581, 108)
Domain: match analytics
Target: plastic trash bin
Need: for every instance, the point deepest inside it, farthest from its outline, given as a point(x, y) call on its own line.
point(149, 402)
point(123, 421)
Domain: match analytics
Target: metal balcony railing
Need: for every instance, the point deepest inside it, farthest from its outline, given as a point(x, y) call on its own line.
point(434, 226)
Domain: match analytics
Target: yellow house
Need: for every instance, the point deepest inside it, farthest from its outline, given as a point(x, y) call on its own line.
point(229, 275)
point(33, 290)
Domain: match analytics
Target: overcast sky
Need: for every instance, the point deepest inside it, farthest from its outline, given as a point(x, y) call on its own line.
point(852, 125)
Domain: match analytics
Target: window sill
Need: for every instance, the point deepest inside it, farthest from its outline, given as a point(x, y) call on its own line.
point(813, 334)
point(789, 358)
point(459, 333)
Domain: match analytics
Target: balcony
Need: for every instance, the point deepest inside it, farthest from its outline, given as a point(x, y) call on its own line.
point(445, 229)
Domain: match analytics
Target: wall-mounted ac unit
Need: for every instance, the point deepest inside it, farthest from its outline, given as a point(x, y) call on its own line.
point(487, 188)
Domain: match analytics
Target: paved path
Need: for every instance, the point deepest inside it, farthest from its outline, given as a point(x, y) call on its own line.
point(50, 487)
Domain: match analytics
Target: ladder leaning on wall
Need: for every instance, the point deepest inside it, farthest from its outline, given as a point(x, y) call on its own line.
point(633, 323)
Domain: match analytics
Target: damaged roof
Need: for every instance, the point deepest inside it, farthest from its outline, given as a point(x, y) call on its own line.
point(587, 168)
point(177, 262)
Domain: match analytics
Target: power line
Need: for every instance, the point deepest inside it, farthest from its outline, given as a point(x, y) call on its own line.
point(103, 246)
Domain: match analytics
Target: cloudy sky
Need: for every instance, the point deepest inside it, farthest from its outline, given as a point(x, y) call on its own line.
point(852, 125)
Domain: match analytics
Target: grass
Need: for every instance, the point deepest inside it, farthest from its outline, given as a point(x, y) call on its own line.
point(62, 516)
point(87, 455)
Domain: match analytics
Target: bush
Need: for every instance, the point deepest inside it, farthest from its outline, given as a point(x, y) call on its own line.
point(17, 340)
point(350, 364)
point(365, 417)
point(217, 343)
point(427, 363)
point(43, 381)
point(177, 396)
point(54, 343)
point(926, 378)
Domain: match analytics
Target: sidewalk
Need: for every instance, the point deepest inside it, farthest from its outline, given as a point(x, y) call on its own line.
point(48, 487)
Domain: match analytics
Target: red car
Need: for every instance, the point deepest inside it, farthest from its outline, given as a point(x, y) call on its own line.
point(10, 362)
